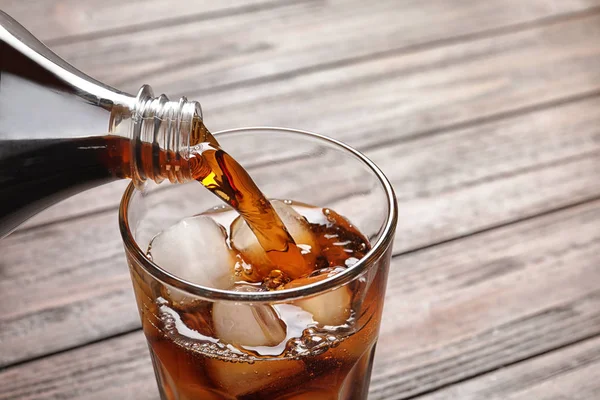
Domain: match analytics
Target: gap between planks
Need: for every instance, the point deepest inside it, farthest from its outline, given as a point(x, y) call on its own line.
point(566, 359)
point(175, 21)
point(399, 51)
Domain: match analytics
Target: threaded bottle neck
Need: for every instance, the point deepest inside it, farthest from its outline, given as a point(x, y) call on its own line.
point(162, 132)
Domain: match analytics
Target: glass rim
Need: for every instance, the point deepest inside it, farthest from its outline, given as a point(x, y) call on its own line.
point(330, 283)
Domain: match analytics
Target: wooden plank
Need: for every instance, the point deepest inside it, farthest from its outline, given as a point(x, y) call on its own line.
point(60, 21)
point(457, 310)
point(569, 373)
point(522, 167)
point(580, 385)
point(87, 376)
point(453, 311)
point(403, 96)
point(301, 37)
point(427, 91)
point(68, 292)
point(68, 20)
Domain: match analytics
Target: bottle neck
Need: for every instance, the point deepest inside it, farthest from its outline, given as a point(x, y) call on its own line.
point(160, 132)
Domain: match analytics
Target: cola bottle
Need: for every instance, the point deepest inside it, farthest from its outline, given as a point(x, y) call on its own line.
point(62, 132)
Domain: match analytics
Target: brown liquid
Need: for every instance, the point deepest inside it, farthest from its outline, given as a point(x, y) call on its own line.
point(221, 174)
point(316, 362)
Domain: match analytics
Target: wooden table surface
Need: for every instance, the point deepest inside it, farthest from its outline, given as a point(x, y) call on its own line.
point(485, 115)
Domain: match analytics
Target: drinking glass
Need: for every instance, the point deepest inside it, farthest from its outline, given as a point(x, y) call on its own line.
point(315, 361)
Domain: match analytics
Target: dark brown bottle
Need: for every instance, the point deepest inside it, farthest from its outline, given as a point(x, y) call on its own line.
point(61, 132)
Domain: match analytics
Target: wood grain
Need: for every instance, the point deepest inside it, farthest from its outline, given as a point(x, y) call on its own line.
point(69, 291)
point(405, 96)
point(578, 385)
point(568, 373)
point(431, 92)
point(474, 305)
point(303, 37)
point(523, 166)
point(113, 369)
point(71, 20)
point(453, 311)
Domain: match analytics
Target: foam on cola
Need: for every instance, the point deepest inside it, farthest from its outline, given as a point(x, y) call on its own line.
point(314, 347)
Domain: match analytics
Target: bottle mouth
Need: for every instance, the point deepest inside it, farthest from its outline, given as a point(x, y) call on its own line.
point(165, 127)
point(377, 251)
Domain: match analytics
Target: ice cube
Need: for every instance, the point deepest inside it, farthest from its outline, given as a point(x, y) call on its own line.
point(243, 378)
point(245, 241)
point(330, 308)
point(247, 325)
point(195, 249)
point(296, 224)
